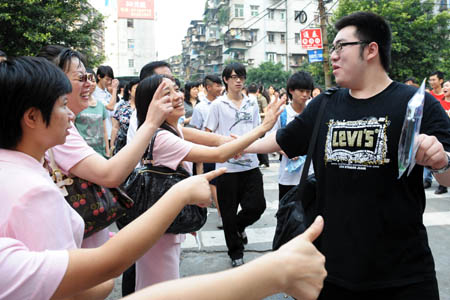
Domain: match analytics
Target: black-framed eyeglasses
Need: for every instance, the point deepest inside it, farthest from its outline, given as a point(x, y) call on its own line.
point(339, 45)
point(234, 77)
point(86, 77)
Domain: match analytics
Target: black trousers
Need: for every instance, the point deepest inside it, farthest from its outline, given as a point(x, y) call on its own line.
point(129, 276)
point(244, 188)
point(263, 159)
point(425, 290)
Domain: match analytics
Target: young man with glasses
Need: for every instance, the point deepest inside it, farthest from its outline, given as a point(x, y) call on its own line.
point(235, 113)
point(374, 241)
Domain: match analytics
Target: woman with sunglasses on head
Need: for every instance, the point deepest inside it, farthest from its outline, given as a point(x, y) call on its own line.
point(91, 122)
point(76, 157)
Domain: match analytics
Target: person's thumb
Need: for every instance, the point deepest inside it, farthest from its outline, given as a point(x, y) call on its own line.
point(314, 230)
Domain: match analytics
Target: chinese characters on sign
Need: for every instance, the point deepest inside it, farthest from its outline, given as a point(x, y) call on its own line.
point(311, 38)
point(136, 9)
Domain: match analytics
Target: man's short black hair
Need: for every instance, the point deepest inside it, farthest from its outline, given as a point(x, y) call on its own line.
point(51, 52)
point(238, 68)
point(299, 81)
point(252, 88)
point(210, 79)
point(2, 54)
point(370, 27)
point(103, 71)
point(128, 87)
point(149, 69)
point(439, 74)
point(27, 82)
point(412, 79)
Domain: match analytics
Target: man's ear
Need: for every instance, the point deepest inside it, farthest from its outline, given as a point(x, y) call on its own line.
point(32, 117)
point(373, 50)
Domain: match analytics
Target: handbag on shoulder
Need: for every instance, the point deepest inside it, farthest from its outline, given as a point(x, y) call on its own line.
point(98, 206)
point(148, 183)
point(298, 207)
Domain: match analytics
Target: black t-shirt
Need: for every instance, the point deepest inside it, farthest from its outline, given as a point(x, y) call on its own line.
point(374, 235)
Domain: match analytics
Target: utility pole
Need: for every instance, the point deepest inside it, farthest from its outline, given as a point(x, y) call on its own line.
point(326, 55)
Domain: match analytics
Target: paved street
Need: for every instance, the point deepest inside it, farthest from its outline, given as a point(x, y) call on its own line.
point(213, 253)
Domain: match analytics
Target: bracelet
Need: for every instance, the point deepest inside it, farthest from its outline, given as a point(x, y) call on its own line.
point(443, 169)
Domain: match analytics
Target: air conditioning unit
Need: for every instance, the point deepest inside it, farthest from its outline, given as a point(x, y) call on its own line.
point(248, 44)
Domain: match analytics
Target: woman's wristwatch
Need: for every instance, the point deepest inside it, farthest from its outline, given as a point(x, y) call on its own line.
point(443, 169)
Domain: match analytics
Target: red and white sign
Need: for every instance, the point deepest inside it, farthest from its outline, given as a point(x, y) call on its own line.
point(311, 38)
point(136, 9)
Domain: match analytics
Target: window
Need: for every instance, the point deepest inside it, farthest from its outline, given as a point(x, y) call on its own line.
point(282, 15)
point(131, 63)
point(130, 44)
point(297, 38)
point(283, 38)
point(271, 37)
point(130, 23)
point(271, 12)
point(254, 10)
point(282, 59)
point(271, 57)
point(239, 10)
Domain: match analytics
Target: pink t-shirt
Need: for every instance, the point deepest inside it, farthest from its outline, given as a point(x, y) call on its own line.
point(170, 150)
point(74, 150)
point(29, 275)
point(32, 209)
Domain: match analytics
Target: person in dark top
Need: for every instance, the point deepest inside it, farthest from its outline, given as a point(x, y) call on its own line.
point(374, 240)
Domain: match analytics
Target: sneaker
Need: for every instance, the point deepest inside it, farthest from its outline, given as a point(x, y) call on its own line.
point(243, 237)
point(441, 190)
point(219, 224)
point(237, 262)
point(426, 184)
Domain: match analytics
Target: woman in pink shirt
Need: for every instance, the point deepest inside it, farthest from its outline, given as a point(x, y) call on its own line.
point(161, 263)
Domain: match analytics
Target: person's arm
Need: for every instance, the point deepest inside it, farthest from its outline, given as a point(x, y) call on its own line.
point(267, 144)
point(113, 100)
point(297, 269)
point(226, 151)
point(90, 267)
point(431, 153)
point(112, 172)
point(114, 131)
point(105, 137)
point(206, 138)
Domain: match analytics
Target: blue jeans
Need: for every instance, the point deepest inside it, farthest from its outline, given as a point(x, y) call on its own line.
point(427, 175)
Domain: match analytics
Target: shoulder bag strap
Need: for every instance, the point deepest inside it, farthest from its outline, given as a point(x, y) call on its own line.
point(57, 175)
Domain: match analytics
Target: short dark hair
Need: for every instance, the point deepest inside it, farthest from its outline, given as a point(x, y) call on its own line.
point(2, 54)
point(103, 71)
point(128, 87)
point(238, 68)
point(149, 69)
point(187, 90)
point(64, 59)
point(252, 88)
point(370, 27)
point(27, 82)
point(299, 81)
point(210, 79)
point(413, 79)
point(144, 95)
point(439, 74)
point(51, 52)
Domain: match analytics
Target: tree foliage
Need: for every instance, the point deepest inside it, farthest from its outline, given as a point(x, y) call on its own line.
point(268, 74)
point(420, 37)
point(28, 25)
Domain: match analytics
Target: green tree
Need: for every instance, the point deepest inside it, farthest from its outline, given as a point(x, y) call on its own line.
point(28, 25)
point(420, 38)
point(267, 74)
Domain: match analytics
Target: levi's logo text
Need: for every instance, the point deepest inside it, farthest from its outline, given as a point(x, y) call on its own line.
point(358, 145)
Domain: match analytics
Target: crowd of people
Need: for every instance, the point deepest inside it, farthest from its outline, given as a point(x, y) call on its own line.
point(369, 225)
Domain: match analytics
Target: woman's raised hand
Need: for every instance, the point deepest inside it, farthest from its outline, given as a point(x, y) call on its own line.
point(273, 110)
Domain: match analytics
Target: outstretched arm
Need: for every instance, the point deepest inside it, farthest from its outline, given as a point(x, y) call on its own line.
point(267, 144)
point(89, 267)
point(297, 269)
point(113, 172)
point(222, 153)
point(432, 154)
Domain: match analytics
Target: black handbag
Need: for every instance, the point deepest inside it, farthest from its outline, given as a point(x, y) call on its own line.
point(148, 183)
point(98, 206)
point(298, 207)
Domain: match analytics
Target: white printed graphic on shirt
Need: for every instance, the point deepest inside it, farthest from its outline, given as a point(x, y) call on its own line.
point(357, 144)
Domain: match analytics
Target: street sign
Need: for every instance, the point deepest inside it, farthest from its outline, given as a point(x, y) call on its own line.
point(315, 55)
point(311, 38)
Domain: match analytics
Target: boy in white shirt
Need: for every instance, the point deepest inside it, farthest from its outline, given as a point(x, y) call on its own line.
point(235, 113)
